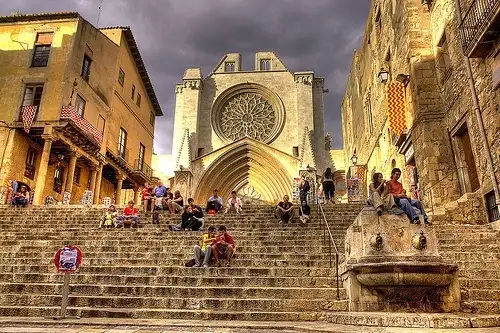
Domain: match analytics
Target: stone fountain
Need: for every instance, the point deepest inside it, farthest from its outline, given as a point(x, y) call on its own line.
point(392, 265)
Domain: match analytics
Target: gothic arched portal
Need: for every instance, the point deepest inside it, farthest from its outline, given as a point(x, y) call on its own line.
point(255, 174)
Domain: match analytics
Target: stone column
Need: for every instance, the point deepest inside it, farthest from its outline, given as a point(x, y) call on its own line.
point(97, 189)
point(93, 176)
point(137, 195)
point(119, 185)
point(71, 172)
point(42, 169)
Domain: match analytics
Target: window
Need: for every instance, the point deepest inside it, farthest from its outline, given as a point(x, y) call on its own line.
point(443, 61)
point(265, 64)
point(101, 122)
point(86, 67)
point(76, 176)
point(132, 94)
point(42, 49)
point(29, 170)
point(122, 143)
point(491, 206)
point(58, 175)
point(296, 151)
point(229, 66)
point(80, 105)
point(138, 102)
point(32, 96)
point(140, 161)
point(121, 77)
point(152, 118)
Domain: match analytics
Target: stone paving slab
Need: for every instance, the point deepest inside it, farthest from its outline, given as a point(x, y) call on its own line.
point(109, 325)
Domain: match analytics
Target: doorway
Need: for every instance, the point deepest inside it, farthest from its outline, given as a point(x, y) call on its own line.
point(465, 160)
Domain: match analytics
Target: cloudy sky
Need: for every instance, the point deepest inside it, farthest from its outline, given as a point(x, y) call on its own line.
point(317, 35)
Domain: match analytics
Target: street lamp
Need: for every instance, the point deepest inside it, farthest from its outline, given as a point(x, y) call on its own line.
point(354, 158)
point(383, 75)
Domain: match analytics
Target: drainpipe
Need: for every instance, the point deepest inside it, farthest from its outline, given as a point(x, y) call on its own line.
point(5, 125)
point(477, 109)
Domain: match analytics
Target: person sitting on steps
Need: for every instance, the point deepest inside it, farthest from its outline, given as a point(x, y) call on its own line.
point(234, 204)
point(191, 219)
point(304, 212)
point(130, 217)
point(223, 247)
point(214, 203)
point(203, 251)
point(146, 195)
point(21, 198)
point(176, 203)
point(404, 202)
point(284, 211)
point(109, 218)
point(380, 198)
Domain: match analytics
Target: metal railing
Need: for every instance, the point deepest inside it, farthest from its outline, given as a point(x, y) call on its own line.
point(475, 22)
point(331, 242)
point(141, 166)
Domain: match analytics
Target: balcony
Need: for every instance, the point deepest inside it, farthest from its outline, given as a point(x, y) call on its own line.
point(480, 27)
point(80, 130)
point(142, 172)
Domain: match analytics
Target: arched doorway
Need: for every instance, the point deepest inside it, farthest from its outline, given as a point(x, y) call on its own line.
point(255, 174)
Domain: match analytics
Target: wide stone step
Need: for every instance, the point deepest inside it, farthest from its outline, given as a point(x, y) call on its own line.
point(471, 256)
point(173, 291)
point(493, 273)
point(482, 294)
point(479, 283)
point(168, 248)
point(198, 281)
point(33, 311)
point(475, 306)
point(257, 262)
point(184, 303)
point(172, 255)
point(177, 270)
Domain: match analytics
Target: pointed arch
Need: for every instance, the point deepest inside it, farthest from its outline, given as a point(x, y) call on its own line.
point(245, 164)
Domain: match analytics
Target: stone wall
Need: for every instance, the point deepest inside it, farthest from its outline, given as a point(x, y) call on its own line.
point(409, 38)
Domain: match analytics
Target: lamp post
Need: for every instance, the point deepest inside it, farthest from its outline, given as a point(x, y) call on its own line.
point(383, 75)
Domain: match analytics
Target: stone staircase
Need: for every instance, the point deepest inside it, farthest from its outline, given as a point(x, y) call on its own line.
point(280, 272)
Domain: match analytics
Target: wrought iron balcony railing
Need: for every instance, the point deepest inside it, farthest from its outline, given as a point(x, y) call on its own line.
point(477, 20)
point(141, 166)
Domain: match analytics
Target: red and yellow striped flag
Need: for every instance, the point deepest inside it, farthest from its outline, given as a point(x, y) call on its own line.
point(396, 107)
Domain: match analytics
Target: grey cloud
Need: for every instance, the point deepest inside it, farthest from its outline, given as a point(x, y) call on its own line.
point(314, 35)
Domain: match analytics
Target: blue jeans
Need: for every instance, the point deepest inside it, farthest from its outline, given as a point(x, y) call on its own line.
point(407, 206)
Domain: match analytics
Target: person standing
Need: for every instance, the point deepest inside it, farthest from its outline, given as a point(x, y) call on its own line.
point(304, 188)
point(160, 193)
point(328, 185)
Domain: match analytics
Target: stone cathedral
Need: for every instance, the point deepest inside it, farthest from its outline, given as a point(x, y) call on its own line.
point(252, 131)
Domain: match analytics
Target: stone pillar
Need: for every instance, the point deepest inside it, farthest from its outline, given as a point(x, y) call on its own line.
point(119, 185)
point(71, 172)
point(44, 164)
point(97, 189)
point(137, 195)
point(93, 176)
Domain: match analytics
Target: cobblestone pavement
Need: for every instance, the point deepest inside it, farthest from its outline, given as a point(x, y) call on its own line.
point(174, 326)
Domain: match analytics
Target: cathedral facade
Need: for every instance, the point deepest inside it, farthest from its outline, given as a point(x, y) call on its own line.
point(252, 131)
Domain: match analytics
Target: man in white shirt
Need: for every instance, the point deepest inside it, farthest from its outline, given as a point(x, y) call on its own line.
point(234, 204)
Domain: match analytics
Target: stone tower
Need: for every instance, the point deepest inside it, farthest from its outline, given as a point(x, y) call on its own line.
point(249, 131)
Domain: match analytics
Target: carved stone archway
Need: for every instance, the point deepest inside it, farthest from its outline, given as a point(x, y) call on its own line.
point(249, 170)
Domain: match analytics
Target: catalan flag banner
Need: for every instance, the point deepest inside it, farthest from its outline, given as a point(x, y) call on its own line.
point(396, 107)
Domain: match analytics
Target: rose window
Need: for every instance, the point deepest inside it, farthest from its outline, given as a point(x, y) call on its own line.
point(247, 115)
